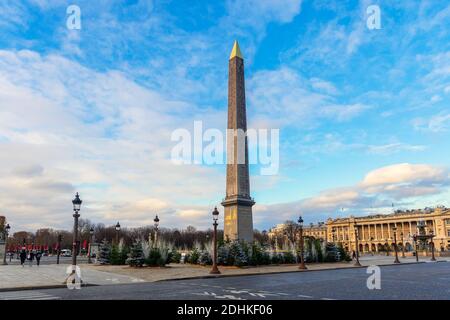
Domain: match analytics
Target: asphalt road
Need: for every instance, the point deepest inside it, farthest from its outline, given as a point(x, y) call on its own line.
point(426, 281)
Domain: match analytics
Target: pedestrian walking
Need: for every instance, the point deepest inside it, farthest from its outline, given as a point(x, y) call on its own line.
point(23, 256)
point(38, 257)
point(30, 257)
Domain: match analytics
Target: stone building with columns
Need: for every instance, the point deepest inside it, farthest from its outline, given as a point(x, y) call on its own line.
point(376, 232)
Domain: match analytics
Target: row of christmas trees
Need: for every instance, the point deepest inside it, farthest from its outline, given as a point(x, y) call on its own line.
point(230, 253)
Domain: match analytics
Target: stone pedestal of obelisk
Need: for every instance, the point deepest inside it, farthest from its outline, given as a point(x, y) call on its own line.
point(237, 203)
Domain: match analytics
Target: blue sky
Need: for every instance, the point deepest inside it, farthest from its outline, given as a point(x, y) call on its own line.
point(363, 114)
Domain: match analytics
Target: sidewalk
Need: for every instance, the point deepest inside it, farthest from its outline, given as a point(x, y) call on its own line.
point(18, 277)
point(49, 276)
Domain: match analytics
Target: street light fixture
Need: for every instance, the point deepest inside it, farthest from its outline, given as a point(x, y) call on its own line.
point(91, 235)
point(214, 269)
point(156, 224)
point(403, 244)
point(357, 264)
point(432, 245)
point(7, 228)
point(302, 259)
point(76, 208)
point(395, 245)
point(117, 232)
point(416, 247)
point(58, 252)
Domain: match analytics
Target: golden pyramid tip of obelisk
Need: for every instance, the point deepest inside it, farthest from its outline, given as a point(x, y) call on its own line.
point(236, 51)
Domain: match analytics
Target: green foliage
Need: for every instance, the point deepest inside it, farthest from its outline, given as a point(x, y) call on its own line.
point(154, 258)
point(136, 256)
point(193, 257)
point(222, 255)
point(343, 254)
point(205, 258)
point(277, 258)
point(114, 257)
point(256, 256)
point(175, 256)
point(124, 255)
point(288, 257)
point(318, 247)
point(239, 254)
point(105, 253)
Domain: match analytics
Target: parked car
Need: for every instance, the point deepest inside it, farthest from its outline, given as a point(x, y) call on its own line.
point(66, 253)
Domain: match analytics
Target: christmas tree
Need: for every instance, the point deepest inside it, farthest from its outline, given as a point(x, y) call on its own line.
point(105, 253)
point(114, 257)
point(136, 256)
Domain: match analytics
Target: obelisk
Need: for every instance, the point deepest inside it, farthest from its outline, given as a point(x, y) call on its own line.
point(237, 203)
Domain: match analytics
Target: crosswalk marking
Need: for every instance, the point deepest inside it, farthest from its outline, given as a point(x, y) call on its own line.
point(26, 295)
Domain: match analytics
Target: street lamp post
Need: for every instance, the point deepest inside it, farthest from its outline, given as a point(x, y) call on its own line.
point(403, 244)
point(333, 231)
point(302, 259)
point(432, 246)
point(58, 252)
point(7, 227)
point(117, 232)
point(416, 247)
point(76, 208)
point(156, 221)
point(214, 269)
point(91, 235)
point(395, 245)
point(357, 264)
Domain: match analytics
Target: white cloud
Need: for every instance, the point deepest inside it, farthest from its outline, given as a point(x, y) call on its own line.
point(402, 183)
point(404, 173)
point(66, 128)
point(437, 123)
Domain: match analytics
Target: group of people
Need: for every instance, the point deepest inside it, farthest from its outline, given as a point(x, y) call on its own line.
point(30, 255)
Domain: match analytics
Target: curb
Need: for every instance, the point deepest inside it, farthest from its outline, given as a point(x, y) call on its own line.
point(55, 286)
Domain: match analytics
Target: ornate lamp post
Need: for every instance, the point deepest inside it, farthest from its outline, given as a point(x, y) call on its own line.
point(214, 269)
point(395, 245)
point(7, 227)
point(432, 246)
point(76, 208)
point(156, 221)
point(333, 231)
point(91, 236)
point(302, 259)
point(357, 264)
point(403, 244)
point(58, 252)
point(416, 246)
point(117, 232)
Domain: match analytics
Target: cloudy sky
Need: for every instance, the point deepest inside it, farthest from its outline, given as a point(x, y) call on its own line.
point(363, 114)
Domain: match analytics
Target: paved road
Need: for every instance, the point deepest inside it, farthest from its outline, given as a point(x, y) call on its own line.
point(413, 281)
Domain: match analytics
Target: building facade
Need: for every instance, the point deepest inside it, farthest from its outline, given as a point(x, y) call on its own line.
point(376, 232)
